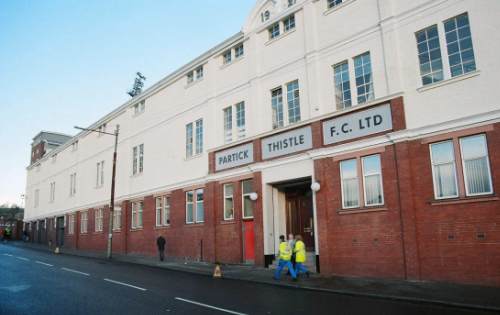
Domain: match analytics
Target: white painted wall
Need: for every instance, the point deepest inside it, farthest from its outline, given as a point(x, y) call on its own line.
point(321, 39)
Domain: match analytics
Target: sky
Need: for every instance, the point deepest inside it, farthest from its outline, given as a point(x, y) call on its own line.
point(67, 63)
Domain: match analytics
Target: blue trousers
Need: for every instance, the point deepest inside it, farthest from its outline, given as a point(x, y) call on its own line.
point(282, 264)
point(299, 267)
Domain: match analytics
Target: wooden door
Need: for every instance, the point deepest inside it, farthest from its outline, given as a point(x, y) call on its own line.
point(300, 217)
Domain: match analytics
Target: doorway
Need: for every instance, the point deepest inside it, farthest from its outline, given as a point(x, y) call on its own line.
point(299, 214)
point(60, 231)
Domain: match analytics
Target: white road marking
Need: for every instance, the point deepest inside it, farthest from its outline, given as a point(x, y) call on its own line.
point(209, 306)
point(125, 284)
point(45, 264)
point(76, 271)
point(22, 258)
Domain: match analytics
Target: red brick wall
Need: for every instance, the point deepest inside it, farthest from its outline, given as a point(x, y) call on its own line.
point(449, 246)
point(363, 243)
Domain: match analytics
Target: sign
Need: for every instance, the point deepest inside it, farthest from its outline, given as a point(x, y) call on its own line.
point(357, 125)
point(286, 143)
point(234, 157)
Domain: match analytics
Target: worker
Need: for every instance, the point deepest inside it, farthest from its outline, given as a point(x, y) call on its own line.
point(285, 256)
point(300, 256)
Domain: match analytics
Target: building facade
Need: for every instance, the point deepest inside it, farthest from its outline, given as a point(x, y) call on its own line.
point(369, 127)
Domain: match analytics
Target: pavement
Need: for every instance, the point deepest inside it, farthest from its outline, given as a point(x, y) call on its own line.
point(338, 292)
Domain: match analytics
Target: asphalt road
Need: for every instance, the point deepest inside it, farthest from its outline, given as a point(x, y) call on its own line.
point(34, 282)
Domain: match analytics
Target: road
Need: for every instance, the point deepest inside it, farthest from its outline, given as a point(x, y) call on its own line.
point(34, 282)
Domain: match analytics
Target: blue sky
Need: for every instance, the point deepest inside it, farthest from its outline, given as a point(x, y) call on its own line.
point(66, 63)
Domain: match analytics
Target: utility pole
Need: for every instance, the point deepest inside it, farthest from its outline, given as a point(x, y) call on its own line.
point(112, 203)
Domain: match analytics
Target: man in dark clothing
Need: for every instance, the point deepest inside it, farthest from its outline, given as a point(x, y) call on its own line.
point(160, 242)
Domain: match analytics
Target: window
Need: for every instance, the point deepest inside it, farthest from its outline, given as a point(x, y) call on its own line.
point(228, 202)
point(74, 146)
point(228, 124)
point(52, 196)
point(137, 208)
point(364, 79)
point(333, 3)
point(199, 73)
point(101, 129)
point(247, 190)
point(372, 181)
point(240, 119)
point(239, 51)
point(190, 77)
point(138, 159)
point(459, 44)
point(37, 198)
point(264, 16)
point(289, 23)
point(293, 99)
point(84, 220)
point(199, 136)
point(195, 212)
point(189, 140)
point(350, 184)
point(291, 2)
point(98, 213)
point(444, 170)
point(227, 57)
point(117, 219)
point(162, 211)
point(71, 225)
point(476, 165)
point(274, 30)
point(429, 55)
point(140, 107)
point(100, 174)
point(72, 184)
point(342, 85)
point(277, 107)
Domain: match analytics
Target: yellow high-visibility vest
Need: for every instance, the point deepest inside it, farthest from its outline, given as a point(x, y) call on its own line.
point(285, 251)
point(300, 252)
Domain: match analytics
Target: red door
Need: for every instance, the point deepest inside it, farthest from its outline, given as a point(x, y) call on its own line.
point(248, 241)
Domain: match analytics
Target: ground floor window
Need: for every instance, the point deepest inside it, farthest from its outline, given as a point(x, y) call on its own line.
point(137, 208)
point(162, 211)
point(84, 220)
point(117, 219)
point(228, 202)
point(195, 212)
point(247, 190)
point(99, 220)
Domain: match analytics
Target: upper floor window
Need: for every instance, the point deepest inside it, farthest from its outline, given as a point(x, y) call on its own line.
point(289, 22)
point(101, 129)
point(274, 30)
point(333, 3)
point(72, 184)
point(199, 136)
point(227, 57)
point(140, 107)
point(37, 198)
point(195, 212)
point(473, 168)
point(137, 209)
point(100, 174)
point(459, 44)
point(74, 146)
point(342, 85)
point(291, 2)
point(98, 219)
point(239, 51)
point(199, 73)
point(265, 16)
point(52, 196)
point(292, 115)
point(194, 138)
point(364, 78)
point(190, 77)
point(429, 55)
point(138, 159)
point(239, 119)
point(195, 75)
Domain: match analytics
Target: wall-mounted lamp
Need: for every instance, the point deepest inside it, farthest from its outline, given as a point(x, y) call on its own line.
point(254, 196)
point(315, 186)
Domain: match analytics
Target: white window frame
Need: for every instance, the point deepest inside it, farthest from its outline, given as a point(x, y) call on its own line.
point(198, 136)
point(72, 184)
point(117, 219)
point(158, 211)
point(485, 142)
point(246, 195)
point(37, 198)
point(199, 73)
point(100, 174)
point(228, 124)
point(227, 57)
point(289, 23)
point(138, 159)
point(434, 173)
point(239, 51)
point(381, 180)
point(99, 218)
point(274, 30)
point(137, 211)
point(139, 108)
point(166, 211)
point(293, 100)
point(52, 196)
point(84, 222)
point(241, 128)
point(189, 140)
point(71, 225)
point(194, 204)
point(342, 184)
point(226, 197)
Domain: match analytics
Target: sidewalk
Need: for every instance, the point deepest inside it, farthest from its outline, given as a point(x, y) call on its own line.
point(465, 296)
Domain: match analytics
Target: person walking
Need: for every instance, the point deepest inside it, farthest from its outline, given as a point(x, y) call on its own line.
point(300, 256)
point(291, 243)
point(285, 256)
point(160, 242)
